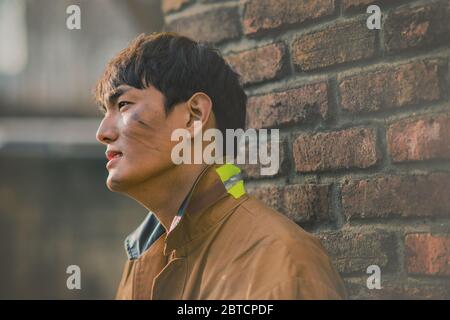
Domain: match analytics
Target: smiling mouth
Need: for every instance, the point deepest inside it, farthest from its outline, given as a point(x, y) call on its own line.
point(113, 154)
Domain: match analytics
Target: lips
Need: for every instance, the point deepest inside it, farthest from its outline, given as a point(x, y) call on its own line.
point(113, 154)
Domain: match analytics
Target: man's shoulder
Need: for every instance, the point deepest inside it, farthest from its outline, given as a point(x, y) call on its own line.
point(283, 253)
point(268, 225)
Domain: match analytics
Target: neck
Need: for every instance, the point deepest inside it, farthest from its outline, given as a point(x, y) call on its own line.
point(164, 194)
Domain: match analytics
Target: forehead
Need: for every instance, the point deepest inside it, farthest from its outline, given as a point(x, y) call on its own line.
point(113, 95)
point(150, 95)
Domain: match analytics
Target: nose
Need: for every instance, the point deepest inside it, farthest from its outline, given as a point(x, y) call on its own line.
point(107, 131)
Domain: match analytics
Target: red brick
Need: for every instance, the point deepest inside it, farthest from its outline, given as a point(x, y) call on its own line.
point(361, 5)
point(355, 147)
point(419, 26)
point(420, 139)
point(353, 251)
point(254, 170)
point(261, 64)
point(295, 106)
point(301, 203)
point(351, 4)
point(339, 43)
point(173, 5)
point(212, 26)
point(427, 254)
point(397, 196)
point(260, 15)
point(388, 88)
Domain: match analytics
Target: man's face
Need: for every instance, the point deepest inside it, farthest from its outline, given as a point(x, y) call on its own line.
point(136, 132)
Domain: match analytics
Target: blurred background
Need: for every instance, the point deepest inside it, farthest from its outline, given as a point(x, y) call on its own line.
point(55, 208)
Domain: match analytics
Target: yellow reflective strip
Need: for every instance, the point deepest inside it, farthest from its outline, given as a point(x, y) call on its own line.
point(227, 170)
point(237, 190)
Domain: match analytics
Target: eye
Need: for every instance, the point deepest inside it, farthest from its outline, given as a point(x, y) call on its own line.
point(122, 104)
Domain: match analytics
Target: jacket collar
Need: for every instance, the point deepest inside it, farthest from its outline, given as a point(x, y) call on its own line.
point(207, 205)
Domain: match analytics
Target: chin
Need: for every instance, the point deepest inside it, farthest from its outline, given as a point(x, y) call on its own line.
point(123, 182)
point(126, 180)
point(115, 184)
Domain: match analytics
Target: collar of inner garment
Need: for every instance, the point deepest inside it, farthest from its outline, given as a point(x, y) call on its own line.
point(142, 238)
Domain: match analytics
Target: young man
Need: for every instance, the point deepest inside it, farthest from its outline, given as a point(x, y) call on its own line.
point(204, 237)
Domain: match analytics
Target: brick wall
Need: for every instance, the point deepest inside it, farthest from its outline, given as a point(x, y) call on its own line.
point(364, 117)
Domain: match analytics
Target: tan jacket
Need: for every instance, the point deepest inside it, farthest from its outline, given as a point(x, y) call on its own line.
point(227, 248)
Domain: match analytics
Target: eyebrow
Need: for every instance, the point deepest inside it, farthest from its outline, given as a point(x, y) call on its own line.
point(114, 95)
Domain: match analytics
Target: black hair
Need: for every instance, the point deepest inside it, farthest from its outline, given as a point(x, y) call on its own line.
point(178, 67)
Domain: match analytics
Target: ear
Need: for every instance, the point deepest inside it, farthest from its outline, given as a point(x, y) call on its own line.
point(199, 109)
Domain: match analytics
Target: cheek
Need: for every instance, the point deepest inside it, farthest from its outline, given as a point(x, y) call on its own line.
point(147, 133)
